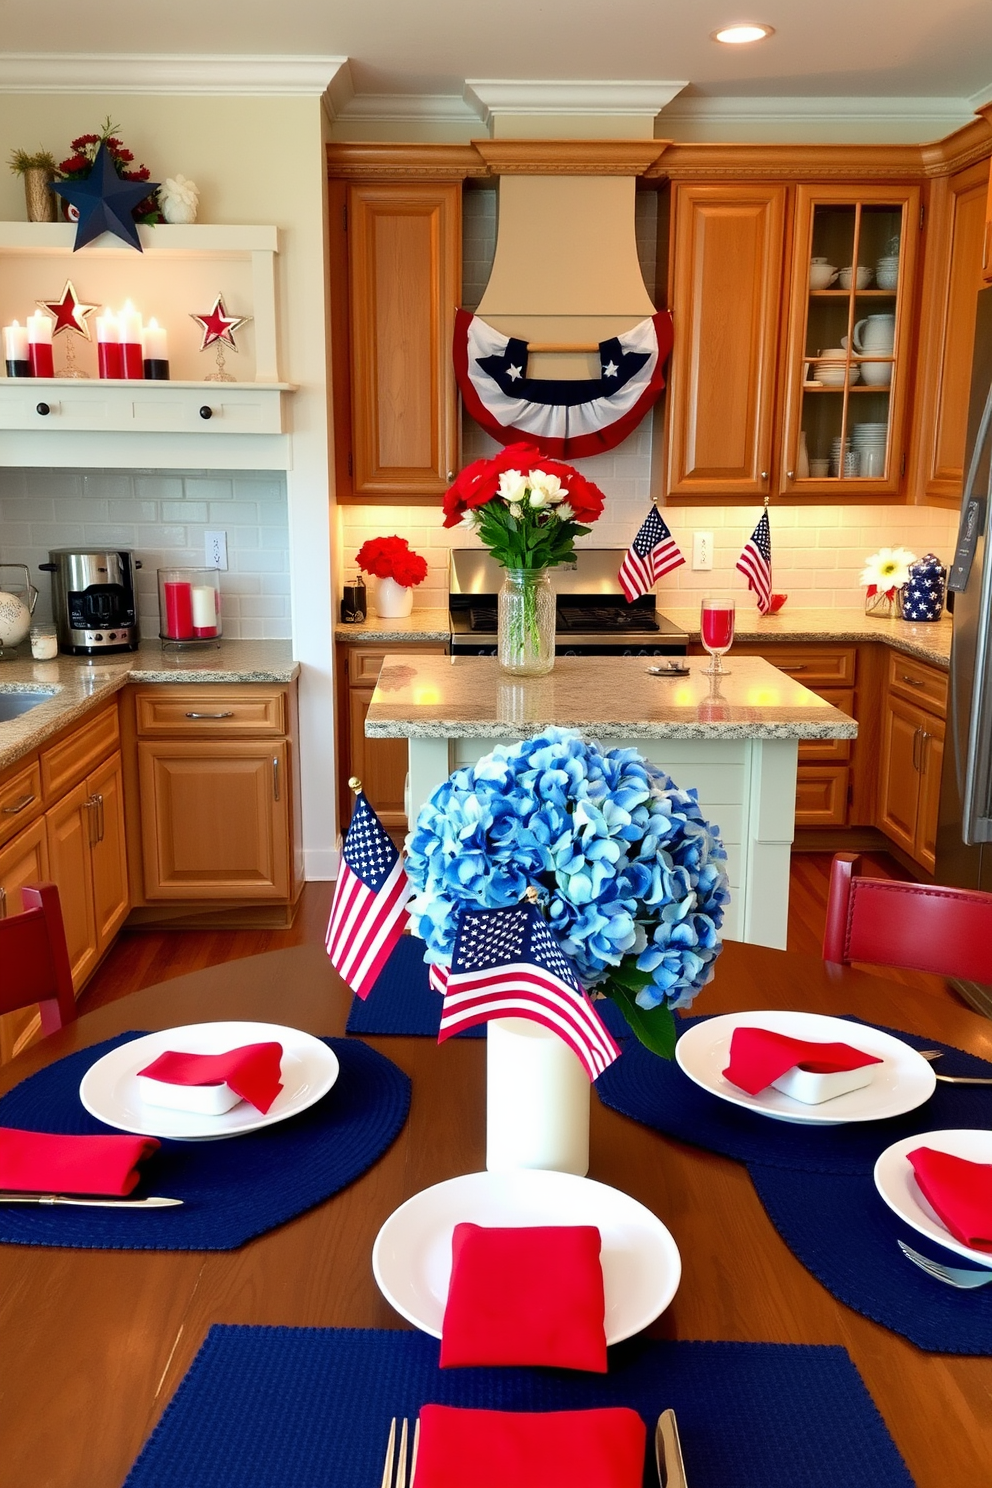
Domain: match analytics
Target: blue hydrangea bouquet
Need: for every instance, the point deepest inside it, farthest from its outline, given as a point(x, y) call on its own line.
point(629, 875)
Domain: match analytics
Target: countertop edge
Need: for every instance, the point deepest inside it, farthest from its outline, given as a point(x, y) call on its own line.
point(612, 730)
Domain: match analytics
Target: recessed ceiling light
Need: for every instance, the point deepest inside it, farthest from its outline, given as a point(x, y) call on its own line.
point(745, 31)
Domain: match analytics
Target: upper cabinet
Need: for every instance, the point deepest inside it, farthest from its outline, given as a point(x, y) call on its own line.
point(395, 285)
point(987, 238)
point(846, 378)
point(726, 296)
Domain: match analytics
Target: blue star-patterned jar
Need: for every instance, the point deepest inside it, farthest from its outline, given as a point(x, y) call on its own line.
point(923, 594)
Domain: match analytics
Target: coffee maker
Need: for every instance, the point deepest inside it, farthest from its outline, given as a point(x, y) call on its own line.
point(93, 600)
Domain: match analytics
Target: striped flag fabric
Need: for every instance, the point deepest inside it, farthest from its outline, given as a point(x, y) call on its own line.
point(507, 964)
point(755, 563)
point(368, 914)
point(653, 552)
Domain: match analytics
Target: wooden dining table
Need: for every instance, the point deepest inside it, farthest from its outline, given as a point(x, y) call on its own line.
point(94, 1343)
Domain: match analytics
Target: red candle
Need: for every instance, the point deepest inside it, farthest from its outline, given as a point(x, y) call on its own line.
point(132, 360)
point(129, 334)
point(108, 349)
point(179, 611)
point(717, 629)
point(40, 345)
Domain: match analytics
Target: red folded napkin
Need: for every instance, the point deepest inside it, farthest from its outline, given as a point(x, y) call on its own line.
point(525, 1296)
point(253, 1071)
point(959, 1191)
point(758, 1056)
point(47, 1162)
point(536, 1449)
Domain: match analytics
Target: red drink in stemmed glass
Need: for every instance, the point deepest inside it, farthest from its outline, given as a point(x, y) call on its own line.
point(716, 626)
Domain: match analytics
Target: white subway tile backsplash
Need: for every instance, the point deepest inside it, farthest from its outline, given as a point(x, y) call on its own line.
point(162, 517)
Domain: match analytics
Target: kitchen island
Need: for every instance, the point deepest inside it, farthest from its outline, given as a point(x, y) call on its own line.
point(735, 741)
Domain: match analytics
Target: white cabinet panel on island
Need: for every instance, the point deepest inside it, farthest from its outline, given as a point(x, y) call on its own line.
point(735, 742)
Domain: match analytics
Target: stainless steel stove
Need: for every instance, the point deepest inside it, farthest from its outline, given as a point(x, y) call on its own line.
point(594, 618)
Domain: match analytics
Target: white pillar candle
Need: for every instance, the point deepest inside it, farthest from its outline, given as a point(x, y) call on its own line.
point(537, 1100)
point(204, 607)
point(15, 342)
point(129, 325)
point(155, 342)
point(107, 329)
point(40, 329)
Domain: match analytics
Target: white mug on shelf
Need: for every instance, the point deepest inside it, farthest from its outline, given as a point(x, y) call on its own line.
point(875, 335)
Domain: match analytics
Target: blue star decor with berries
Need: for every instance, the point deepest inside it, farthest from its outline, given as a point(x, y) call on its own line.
point(923, 594)
point(104, 202)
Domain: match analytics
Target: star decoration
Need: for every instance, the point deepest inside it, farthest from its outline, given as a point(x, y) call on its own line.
point(69, 311)
point(611, 369)
point(105, 203)
point(513, 373)
point(219, 326)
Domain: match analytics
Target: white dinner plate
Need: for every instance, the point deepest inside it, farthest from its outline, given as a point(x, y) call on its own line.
point(109, 1088)
point(903, 1081)
point(896, 1182)
point(411, 1257)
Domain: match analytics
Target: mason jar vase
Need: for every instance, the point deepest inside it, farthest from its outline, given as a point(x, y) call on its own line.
point(526, 630)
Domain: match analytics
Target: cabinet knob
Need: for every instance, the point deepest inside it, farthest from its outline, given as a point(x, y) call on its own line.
point(764, 475)
point(206, 412)
point(43, 409)
point(790, 475)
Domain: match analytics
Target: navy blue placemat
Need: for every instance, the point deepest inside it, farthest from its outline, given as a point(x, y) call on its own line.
point(233, 1189)
point(403, 1001)
point(838, 1226)
point(310, 1408)
point(656, 1093)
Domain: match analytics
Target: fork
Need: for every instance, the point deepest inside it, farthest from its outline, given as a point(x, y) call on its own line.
point(965, 1278)
point(394, 1468)
point(932, 1054)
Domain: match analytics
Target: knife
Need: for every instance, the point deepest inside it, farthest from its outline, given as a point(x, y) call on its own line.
point(668, 1452)
point(152, 1203)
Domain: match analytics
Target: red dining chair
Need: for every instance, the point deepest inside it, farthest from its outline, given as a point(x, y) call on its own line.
point(926, 927)
point(34, 959)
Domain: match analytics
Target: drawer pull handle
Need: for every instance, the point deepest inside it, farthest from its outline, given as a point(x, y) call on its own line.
point(17, 806)
point(44, 409)
point(3, 902)
point(206, 412)
point(275, 777)
point(211, 716)
point(802, 667)
point(912, 681)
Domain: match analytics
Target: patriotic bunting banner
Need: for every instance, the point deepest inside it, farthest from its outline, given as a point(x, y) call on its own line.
point(755, 563)
point(653, 552)
point(507, 964)
point(368, 914)
point(566, 418)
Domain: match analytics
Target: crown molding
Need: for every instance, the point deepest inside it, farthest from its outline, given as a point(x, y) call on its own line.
point(135, 72)
point(354, 160)
point(402, 108)
point(543, 96)
point(597, 157)
point(927, 113)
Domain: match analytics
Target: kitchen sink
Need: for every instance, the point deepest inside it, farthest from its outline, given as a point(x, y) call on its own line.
point(13, 704)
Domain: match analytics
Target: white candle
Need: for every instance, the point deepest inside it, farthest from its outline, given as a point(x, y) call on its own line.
point(155, 342)
point(107, 329)
point(15, 342)
point(40, 329)
point(129, 325)
point(204, 607)
point(537, 1100)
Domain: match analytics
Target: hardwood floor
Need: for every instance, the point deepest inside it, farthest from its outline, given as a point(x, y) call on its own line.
point(142, 957)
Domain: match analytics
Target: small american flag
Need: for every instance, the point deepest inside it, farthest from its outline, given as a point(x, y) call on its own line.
point(653, 552)
point(507, 964)
point(368, 914)
point(755, 563)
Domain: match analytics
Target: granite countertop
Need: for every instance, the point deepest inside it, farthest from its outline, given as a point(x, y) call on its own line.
point(420, 625)
point(76, 684)
point(928, 642)
point(430, 697)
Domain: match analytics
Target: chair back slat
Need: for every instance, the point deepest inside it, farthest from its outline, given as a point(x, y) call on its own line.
point(925, 927)
point(34, 959)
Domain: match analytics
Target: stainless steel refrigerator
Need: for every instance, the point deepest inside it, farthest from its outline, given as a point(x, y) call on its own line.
point(964, 834)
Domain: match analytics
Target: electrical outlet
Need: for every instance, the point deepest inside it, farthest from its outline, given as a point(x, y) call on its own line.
point(702, 550)
point(215, 550)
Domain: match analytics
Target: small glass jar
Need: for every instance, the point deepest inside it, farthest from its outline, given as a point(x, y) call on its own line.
point(189, 606)
point(884, 604)
point(526, 622)
point(44, 642)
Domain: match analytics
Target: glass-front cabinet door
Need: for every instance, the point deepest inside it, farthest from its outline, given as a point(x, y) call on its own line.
point(853, 271)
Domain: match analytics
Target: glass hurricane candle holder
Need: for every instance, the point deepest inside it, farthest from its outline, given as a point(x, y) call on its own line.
point(716, 631)
point(189, 606)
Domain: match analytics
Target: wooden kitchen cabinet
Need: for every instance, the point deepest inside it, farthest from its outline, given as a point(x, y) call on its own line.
point(912, 754)
point(953, 276)
point(88, 861)
point(396, 255)
point(214, 799)
point(380, 764)
point(725, 296)
point(987, 238)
